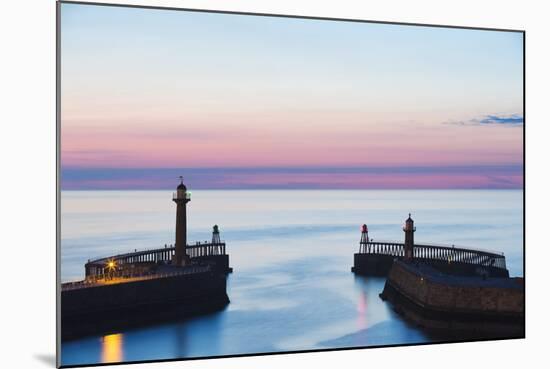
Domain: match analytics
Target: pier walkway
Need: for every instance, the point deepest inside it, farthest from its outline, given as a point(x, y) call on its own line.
point(101, 280)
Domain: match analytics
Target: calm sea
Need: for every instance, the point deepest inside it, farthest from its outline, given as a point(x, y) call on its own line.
point(291, 251)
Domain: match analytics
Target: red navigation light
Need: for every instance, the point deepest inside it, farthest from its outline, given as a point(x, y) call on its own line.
point(364, 228)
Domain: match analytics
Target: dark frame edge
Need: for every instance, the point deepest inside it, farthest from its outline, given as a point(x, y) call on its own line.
point(291, 352)
point(524, 192)
point(276, 15)
point(58, 184)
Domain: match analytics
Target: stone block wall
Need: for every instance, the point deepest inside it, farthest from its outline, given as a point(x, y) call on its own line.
point(471, 297)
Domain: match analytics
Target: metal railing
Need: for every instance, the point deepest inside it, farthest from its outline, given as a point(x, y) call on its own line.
point(102, 280)
point(445, 253)
point(176, 197)
point(100, 266)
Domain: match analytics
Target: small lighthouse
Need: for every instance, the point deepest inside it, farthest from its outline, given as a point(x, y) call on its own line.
point(181, 198)
point(363, 243)
point(216, 241)
point(216, 234)
point(409, 230)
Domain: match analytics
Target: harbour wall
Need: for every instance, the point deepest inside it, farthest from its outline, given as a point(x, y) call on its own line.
point(91, 309)
point(380, 265)
point(491, 307)
point(218, 263)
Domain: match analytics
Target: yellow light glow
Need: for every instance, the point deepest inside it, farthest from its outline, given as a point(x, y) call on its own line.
point(111, 264)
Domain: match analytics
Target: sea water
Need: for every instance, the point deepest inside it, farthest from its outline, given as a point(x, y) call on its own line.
point(291, 252)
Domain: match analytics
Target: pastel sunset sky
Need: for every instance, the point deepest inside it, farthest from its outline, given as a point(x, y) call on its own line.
point(236, 101)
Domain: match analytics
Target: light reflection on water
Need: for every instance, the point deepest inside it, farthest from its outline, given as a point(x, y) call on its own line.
point(112, 348)
point(291, 252)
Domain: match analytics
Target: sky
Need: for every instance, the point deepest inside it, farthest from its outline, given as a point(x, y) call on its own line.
point(237, 101)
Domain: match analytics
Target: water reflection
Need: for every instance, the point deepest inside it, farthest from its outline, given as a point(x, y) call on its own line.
point(199, 336)
point(112, 350)
point(361, 310)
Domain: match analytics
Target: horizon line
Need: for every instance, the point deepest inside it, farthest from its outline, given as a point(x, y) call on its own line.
point(502, 176)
